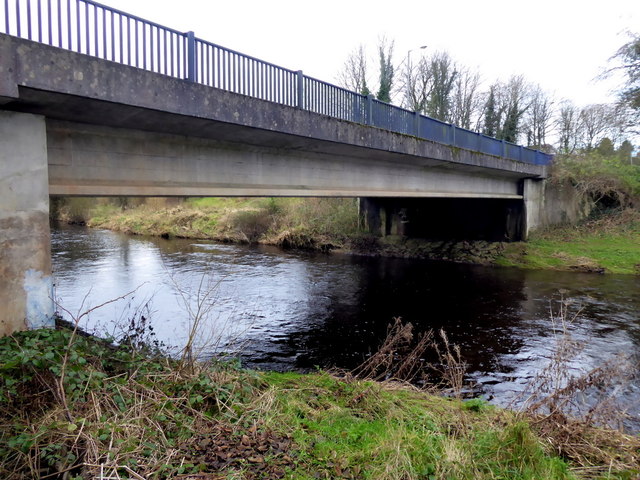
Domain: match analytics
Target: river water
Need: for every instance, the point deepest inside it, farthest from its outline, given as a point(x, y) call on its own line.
point(299, 311)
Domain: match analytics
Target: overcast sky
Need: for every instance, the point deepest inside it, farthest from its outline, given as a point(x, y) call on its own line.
point(560, 44)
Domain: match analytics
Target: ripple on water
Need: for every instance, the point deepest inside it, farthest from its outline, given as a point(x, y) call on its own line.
point(293, 310)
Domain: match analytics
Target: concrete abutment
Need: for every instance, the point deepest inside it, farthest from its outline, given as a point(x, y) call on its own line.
point(26, 285)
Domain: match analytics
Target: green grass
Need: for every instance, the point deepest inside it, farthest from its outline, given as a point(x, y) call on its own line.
point(362, 430)
point(293, 222)
point(610, 244)
point(69, 400)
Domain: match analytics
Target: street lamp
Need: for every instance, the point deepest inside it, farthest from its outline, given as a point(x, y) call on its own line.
point(422, 47)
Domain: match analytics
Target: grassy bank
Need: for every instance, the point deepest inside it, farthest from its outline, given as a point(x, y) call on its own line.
point(315, 223)
point(607, 244)
point(70, 404)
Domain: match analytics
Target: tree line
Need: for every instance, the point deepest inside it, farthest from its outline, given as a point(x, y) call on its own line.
point(515, 109)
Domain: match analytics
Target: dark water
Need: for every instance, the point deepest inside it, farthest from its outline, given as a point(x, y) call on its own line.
point(304, 310)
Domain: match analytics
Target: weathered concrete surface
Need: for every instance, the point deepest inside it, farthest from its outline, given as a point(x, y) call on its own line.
point(26, 296)
point(68, 86)
point(564, 204)
point(97, 160)
point(533, 193)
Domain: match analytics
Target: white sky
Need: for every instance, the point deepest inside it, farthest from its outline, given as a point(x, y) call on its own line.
point(560, 44)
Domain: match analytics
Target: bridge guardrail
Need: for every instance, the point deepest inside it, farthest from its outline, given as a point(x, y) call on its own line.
point(88, 27)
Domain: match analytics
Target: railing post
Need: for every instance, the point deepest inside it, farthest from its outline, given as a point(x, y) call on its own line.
point(368, 117)
point(504, 148)
point(191, 57)
point(416, 123)
point(453, 134)
point(356, 102)
point(300, 89)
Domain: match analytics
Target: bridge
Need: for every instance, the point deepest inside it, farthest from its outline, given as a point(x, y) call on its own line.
point(94, 101)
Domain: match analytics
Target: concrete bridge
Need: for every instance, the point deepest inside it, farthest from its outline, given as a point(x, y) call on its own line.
point(90, 106)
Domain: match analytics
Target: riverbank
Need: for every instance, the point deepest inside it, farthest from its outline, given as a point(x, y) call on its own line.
point(72, 403)
point(610, 243)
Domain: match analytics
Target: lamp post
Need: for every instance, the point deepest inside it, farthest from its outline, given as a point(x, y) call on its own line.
point(421, 47)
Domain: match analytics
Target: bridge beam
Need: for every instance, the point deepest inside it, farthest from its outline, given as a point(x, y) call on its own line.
point(26, 286)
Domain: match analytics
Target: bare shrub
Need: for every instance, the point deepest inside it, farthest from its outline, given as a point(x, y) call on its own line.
point(251, 224)
point(562, 390)
point(398, 357)
point(567, 404)
point(206, 332)
point(451, 366)
point(402, 357)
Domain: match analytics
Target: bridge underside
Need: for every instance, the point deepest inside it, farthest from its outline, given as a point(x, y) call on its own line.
point(71, 124)
point(97, 160)
point(40, 156)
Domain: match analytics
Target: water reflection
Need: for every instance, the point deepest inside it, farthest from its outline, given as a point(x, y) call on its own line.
point(302, 310)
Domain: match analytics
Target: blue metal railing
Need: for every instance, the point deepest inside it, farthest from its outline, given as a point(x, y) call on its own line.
point(88, 27)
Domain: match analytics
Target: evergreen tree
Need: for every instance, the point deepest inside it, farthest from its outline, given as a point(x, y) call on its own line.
point(491, 116)
point(605, 147)
point(511, 127)
point(387, 70)
point(625, 151)
point(513, 97)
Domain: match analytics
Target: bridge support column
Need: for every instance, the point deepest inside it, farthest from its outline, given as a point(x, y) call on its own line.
point(383, 216)
point(26, 286)
point(533, 193)
point(372, 215)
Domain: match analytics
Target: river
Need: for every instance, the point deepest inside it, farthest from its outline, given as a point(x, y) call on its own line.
point(299, 311)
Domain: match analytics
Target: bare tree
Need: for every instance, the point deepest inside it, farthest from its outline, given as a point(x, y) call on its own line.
point(417, 84)
point(568, 127)
point(622, 121)
point(427, 86)
point(627, 61)
point(539, 117)
point(594, 124)
point(466, 101)
point(444, 72)
point(354, 74)
point(513, 98)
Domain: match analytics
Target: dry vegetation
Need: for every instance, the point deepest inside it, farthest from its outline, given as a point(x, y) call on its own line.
point(76, 407)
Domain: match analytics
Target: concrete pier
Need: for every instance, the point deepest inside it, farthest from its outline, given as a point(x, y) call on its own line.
point(534, 204)
point(26, 286)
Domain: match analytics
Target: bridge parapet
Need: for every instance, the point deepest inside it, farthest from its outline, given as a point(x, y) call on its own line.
point(90, 28)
